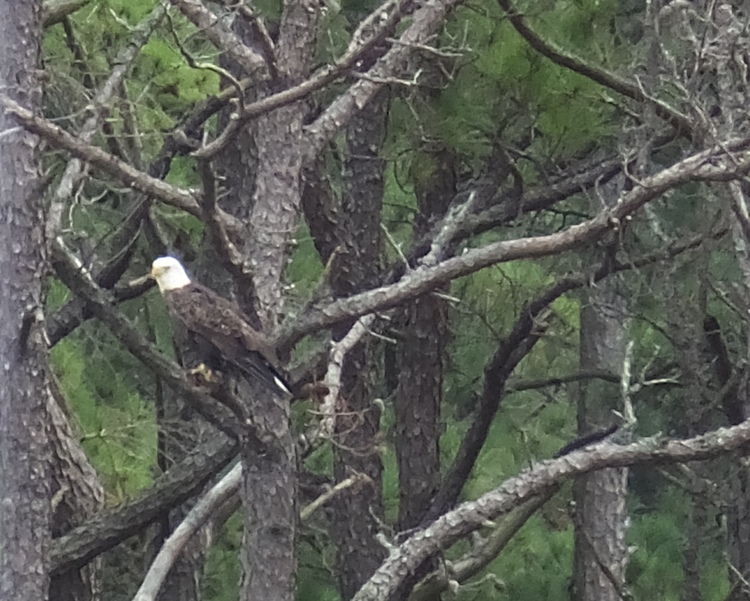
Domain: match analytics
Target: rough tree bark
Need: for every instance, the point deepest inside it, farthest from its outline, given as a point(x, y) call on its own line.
point(419, 360)
point(263, 189)
point(354, 267)
point(600, 553)
point(24, 446)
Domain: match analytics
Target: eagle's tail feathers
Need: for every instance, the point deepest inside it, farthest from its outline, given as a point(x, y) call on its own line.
point(256, 367)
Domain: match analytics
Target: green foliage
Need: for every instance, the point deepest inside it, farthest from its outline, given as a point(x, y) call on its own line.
point(117, 425)
point(223, 568)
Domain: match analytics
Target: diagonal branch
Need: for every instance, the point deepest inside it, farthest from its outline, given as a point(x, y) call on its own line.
point(536, 481)
point(424, 23)
point(710, 165)
point(110, 164)
point(599, 75)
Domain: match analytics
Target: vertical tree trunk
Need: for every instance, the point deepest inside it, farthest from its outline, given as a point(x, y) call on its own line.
point(600, 516)
point(419, 360)
point(355, 526)
point(24, 446)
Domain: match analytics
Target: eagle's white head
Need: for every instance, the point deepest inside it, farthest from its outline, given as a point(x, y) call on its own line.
point(169, 274)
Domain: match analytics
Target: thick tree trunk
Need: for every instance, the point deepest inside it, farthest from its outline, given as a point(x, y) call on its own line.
point(419, 364)
point(419, 361)
point(600, 515)
point(269, 495)
point(357, 431)
point(24, 445)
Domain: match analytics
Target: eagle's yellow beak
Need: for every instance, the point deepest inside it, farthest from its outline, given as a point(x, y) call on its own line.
point(143, 279)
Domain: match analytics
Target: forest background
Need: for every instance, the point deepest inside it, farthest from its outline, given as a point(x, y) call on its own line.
point(490, 229)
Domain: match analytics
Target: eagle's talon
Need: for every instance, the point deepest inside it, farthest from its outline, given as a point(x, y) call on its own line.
point(202, 375)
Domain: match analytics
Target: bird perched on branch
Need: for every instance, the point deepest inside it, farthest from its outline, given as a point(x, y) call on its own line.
point(216, 326)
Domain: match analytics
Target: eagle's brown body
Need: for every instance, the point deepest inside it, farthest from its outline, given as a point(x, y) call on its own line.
point(214, 328)
point(216, 324)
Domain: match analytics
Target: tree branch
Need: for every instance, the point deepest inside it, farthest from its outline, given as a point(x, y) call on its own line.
point(424, 23)
point(112, 526)
point(108, 163)
point(483, 554)
point(710, 165)
point(599, 75)
point(536, 481)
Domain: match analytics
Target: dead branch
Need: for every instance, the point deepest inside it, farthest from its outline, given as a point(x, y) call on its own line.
point(536, 481)
point(709, 165)
point(201, 513)
point(231, 259)
point(336, 356)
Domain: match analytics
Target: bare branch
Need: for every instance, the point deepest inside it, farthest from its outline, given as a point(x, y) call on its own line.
point(538, 480)
point(424, 23)
point(198, 516)
point(202, 512)
point(483, 554)
point(332, 379)
point(230, 257)
point(709, 165)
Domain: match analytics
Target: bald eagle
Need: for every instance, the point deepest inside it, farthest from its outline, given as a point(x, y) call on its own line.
point(216, 325)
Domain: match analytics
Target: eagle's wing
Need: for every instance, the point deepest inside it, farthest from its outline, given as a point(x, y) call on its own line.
point(221, 323)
